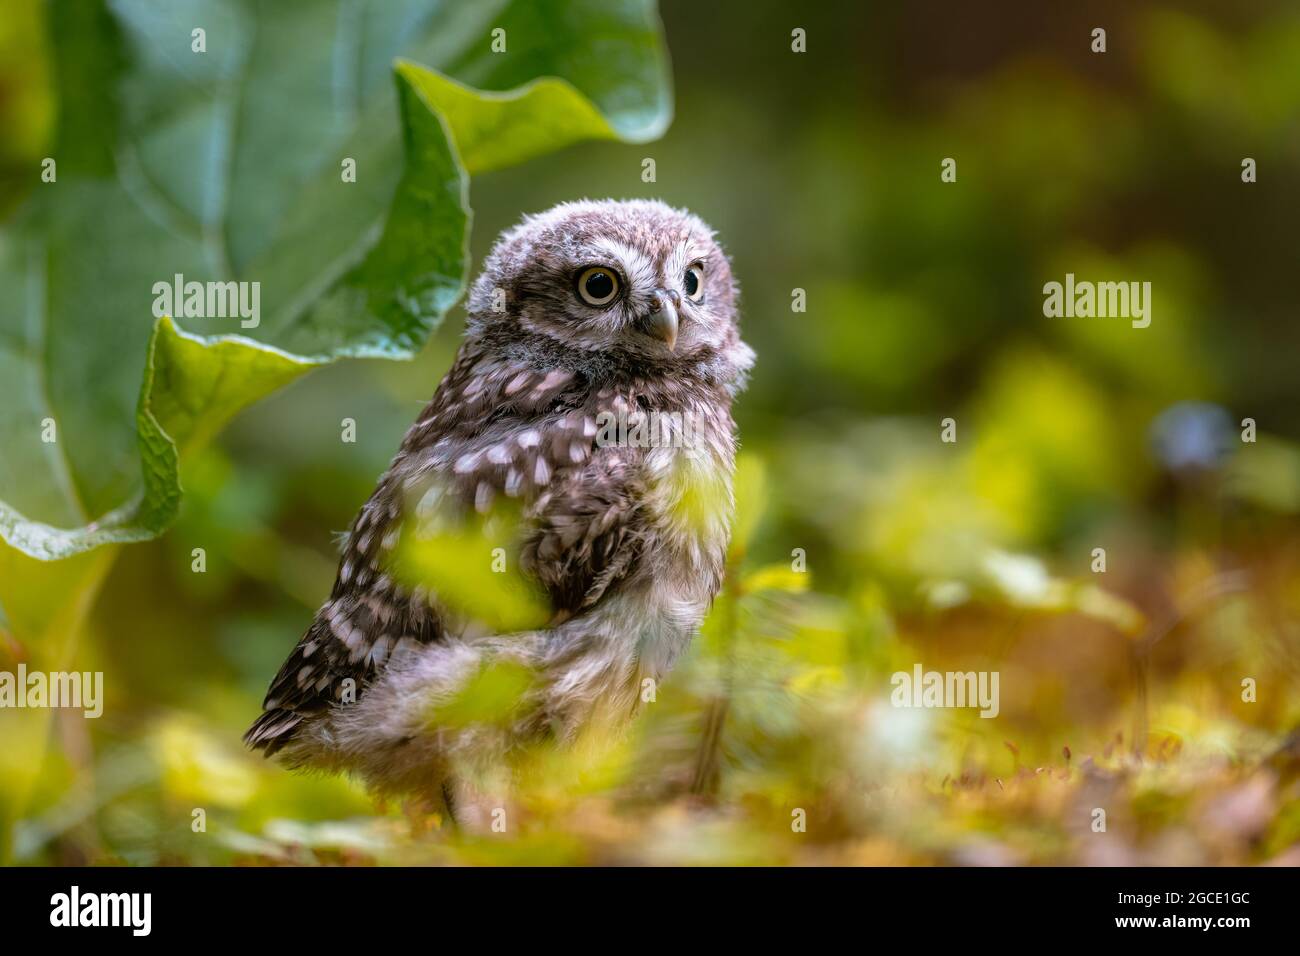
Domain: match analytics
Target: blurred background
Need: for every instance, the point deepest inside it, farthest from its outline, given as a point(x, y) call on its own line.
point(821, 172)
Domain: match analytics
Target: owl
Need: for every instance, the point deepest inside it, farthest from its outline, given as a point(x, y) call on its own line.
point(590, 401)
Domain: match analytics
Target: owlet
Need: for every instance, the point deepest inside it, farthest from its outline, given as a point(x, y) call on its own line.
point(586, 421)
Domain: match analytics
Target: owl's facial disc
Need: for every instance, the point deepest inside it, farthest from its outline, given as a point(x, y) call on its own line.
point(646, 296)
point(615, 280)
point(633, 298)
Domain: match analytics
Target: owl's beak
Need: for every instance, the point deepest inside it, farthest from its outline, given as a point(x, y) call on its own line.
point(662, 321)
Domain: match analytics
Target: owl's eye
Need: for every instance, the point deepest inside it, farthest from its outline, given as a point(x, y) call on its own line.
point(693, 281)
point(598, 285)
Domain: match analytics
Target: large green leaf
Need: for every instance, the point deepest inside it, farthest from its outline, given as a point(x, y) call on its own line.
point(226, 165)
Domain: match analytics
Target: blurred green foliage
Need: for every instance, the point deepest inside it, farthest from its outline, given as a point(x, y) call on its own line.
point(820, 171)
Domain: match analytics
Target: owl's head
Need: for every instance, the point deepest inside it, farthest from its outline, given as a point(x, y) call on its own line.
point(636, 281)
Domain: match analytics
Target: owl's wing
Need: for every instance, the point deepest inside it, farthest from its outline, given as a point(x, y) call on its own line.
point(492, 429)
point(347, 645)
point(368, 615)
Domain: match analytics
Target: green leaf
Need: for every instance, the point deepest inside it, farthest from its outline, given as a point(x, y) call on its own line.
point(494, 695)
point(225, 166)
point(467, 568)
point(750, 484)
point(775, 577)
